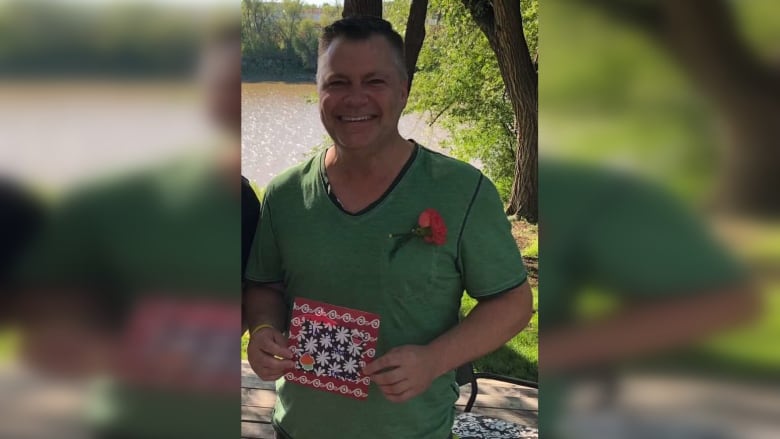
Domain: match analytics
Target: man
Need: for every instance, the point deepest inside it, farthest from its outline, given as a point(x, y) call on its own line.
point(133, 280)
point(329, 232)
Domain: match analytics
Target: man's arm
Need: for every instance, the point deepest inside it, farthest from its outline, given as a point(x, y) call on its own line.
point(65, 333)
point(645, 328)
point(264, 304)
point(406, 371)
point(267, 351)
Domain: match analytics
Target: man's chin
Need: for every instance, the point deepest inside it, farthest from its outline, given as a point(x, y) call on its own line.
point(356, 144)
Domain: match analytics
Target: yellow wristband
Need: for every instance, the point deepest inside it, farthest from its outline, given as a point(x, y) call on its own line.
point(259, 327)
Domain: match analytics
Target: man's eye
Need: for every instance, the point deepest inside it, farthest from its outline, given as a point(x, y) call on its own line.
point(336, 83)
point(376, 81)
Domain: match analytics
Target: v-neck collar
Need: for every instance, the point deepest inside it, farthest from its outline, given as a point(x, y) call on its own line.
point(370, 207)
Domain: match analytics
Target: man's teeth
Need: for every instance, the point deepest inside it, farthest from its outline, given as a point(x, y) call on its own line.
point(355, 118)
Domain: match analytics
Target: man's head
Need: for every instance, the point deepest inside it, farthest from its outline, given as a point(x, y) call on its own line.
point(362, 82)
point(361, 28)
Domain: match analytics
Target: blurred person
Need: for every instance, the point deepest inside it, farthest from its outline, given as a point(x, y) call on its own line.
point(328, 232)
point(250, 215)
point(21, 216)
point(671, 283)
point(134, 280)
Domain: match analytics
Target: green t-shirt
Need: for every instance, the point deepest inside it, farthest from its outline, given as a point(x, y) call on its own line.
point(321, 252)
point(161, 250)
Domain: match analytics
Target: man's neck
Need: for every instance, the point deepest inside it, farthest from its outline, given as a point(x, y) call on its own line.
point(368, 164)
point(359, 179)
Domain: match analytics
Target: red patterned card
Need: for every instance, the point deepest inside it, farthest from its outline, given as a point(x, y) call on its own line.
point(330, 346)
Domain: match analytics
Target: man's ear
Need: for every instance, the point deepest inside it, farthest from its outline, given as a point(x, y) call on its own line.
point(405, 90)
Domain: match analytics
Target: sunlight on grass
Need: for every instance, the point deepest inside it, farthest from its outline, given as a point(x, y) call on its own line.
point(9, 342)
point(532, 251)
point(752, 344)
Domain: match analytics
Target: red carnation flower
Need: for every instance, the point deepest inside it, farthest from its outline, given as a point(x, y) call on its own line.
point(430, 227)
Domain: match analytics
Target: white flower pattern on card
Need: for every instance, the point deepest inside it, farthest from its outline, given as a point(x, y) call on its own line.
point(323, 357)
point(350, 366)
point(355, 349)
point(337, 359)
point(334, 369)
point(311, 345)
point(330, 350)
point(342, 335)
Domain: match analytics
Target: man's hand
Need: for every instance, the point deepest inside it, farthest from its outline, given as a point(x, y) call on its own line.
point(268, 354)
point(403, 372)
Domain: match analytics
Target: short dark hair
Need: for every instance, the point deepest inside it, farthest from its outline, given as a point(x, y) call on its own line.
point(363, 27)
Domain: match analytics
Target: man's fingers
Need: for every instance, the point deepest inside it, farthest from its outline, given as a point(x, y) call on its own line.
point(386, 361)
point(268, 361)
point(267, 367)
point(268, 355)
point(270, 376)
point(401, 397)
point(396, 388)
point(392, 376)
point(272, 343)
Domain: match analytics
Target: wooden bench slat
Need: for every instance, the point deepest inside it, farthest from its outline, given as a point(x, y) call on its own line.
point(255, 430)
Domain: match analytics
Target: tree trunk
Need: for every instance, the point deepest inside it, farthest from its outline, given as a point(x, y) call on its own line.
point(702, 37)
point(362, 7)
point(415, 34)
point(415, 26)
point(502, 24)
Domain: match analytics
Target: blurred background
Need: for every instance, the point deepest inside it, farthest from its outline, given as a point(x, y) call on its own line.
point(119, 164)
point(659, 300)
point(660, 241)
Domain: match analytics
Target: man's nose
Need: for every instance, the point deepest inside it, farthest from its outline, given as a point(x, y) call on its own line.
point(356, 95)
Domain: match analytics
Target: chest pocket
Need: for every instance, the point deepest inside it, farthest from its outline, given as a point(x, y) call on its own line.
point(420, 273)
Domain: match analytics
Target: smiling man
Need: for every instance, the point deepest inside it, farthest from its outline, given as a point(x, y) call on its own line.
point(380, 224)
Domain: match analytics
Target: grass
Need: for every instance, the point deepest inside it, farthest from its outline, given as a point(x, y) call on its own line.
point(532, 251)
point(748, 353)
point(519, 357)
point(9, 342)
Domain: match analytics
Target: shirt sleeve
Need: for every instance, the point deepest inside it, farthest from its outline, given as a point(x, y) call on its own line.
point(644, 244)
point(489, 259)
point(265, 262)
point(250, 212)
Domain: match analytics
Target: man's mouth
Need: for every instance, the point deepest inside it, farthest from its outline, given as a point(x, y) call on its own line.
point(355, 118)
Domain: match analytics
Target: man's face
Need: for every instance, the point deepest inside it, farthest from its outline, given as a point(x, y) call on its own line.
point(361, 92)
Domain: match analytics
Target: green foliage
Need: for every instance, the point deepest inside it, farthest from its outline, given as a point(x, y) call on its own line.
point(397, 12)
point(122, 40)
point(459, 85)
point(305, 44)
point(532, 251)
point(279, 39)
point(9, 344)
point(617, 97)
